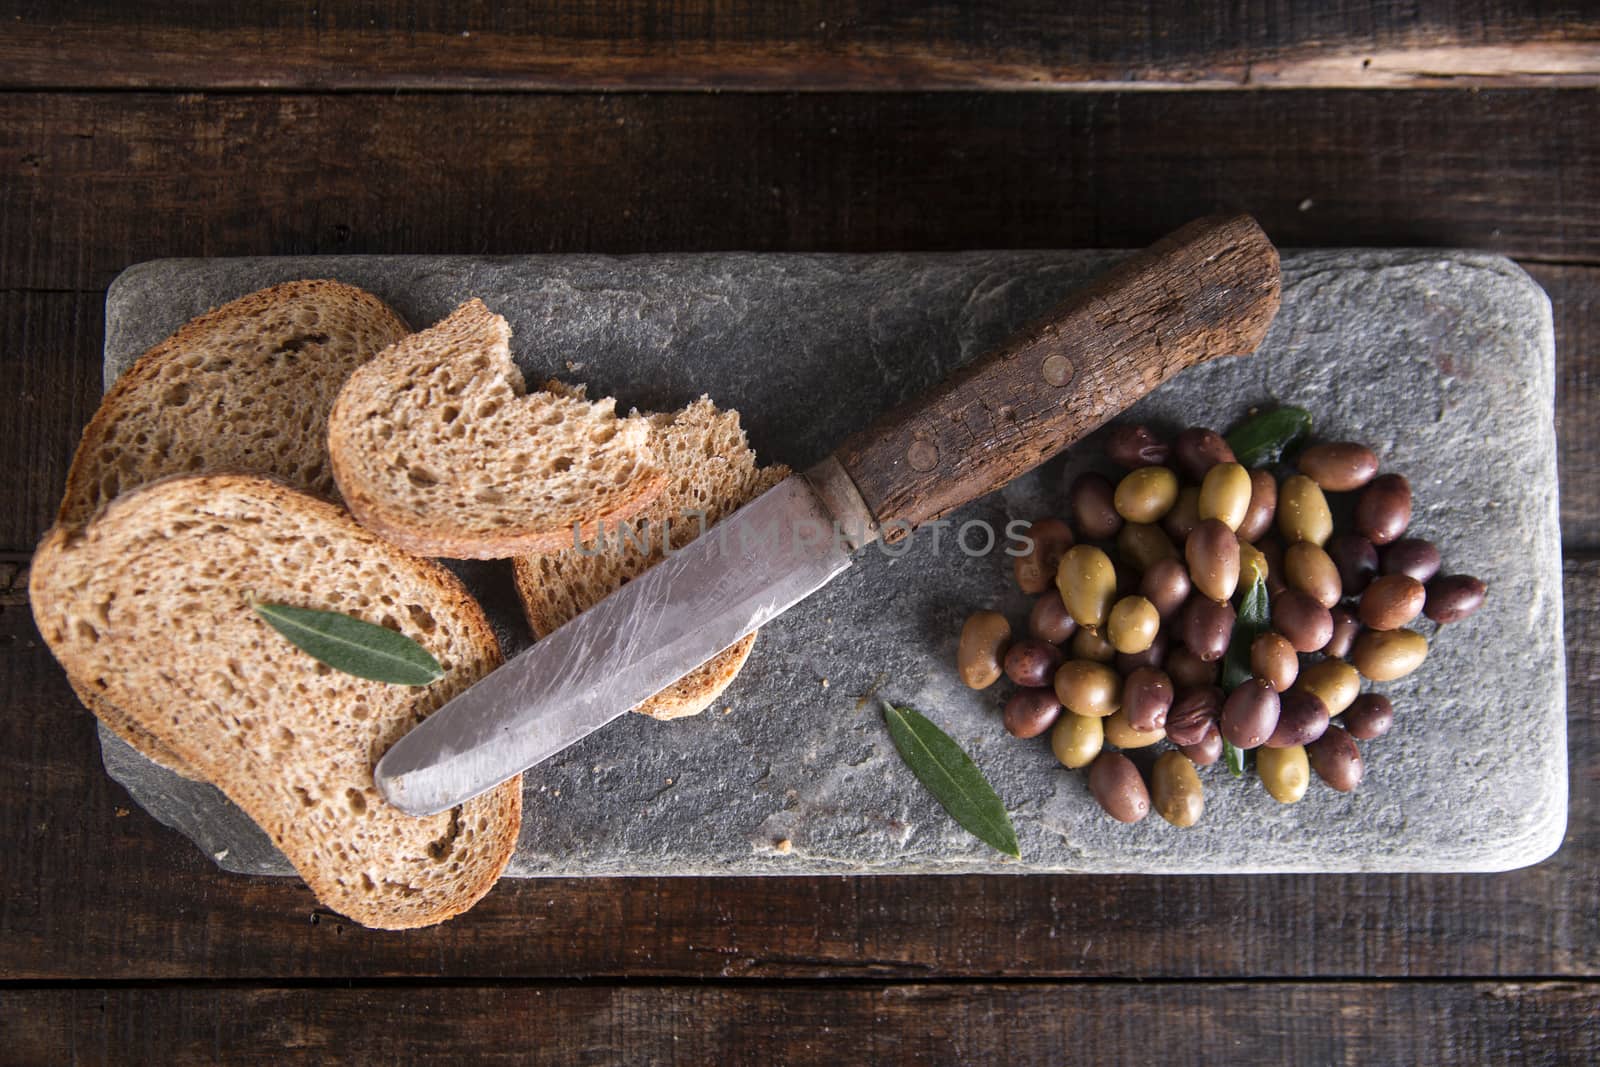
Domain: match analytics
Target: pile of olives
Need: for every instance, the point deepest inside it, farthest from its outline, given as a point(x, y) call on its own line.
point(1135, 614)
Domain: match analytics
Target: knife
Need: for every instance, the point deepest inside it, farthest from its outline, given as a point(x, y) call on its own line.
point(1206, 290)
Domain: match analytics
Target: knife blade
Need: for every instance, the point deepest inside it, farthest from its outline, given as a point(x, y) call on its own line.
point(1206, 290)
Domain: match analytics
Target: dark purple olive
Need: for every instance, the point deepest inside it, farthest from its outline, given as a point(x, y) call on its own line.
point(1092, 508)
point(1207, 751)
point(1197, 450)
point(1453, 597)
point(1146, 699)
point(1030, 712)
point(1356, 560)
point(1133, 445)
point(1338, 466)
point(1049, 621)
point(1369, 715)
point(1336, 759)
point(1391, 601)
point(1383, 511)
point(1345, 628)
point(1116, 784)
point(1263, 506)
point(1411, 556)
point(1193, 714)
point(1187, 670)
point(1306, 623)
point(1035, 570)
point(1250, 714)
point(1271, 550)
point(1166, 585)
point(1206, 626)
point(1154, 656)
point(1032, 663)
point(1302, 718)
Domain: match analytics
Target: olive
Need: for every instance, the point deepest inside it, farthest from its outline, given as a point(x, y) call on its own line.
point(1146, 494)
point(1356, 560)
point(1310, 570)
point(1189, 671)
point(1091, 645)
point(1251, 563)
point(1088, 584)
point(1273, 660)
point(1212, 552)
point(1383, 511)
point(1154, 656)
point(1271, 550)
point(1345, 628)
point(1285, 772)
point(984, 638)
point(1030, 712)
point(1184, 516)
point(1250, 714)
point(1302, 718)
point(1206, 626)
point(1166, 585)
point(1032, 663)
point(1176, 791)
point(1088, 688)
point(1391, 601)
point(1132, 445)
point(1146, 698)
point(1384, 655)
point(1092, 508)
point(1049, 621)
point(1369, 716)
point(1132, 625)
point(1225, 494)
point(1303, 513)
point(1207, 751)
point(1332, 681)
point(1142, 545)
point(1035, 570)
point(1306, 623)
point(1120, 732)
point(1263, 506)
point(1194, 714)
point(1340, 466)
point(1454, 597)
point(1413, 556)
point(1077, 739)
point(1336, 759)
point(1197, 450)
point(1115, 783)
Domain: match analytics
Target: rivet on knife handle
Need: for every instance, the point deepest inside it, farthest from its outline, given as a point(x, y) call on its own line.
point(1209, 289)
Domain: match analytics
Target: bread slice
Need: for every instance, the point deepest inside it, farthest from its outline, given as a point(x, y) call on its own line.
point(246, 387)
point(710, 469)
point(438, 446)
point(148, 603)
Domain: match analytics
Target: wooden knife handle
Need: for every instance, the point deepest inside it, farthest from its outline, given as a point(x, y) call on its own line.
point(1206, 290)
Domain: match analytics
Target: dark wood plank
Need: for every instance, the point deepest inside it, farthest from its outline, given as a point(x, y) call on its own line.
point(816, 44)
point(93, 887)
point(1347, 1022)
point(1575, 302)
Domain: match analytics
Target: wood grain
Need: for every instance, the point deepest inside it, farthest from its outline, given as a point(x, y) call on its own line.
point(802, 44)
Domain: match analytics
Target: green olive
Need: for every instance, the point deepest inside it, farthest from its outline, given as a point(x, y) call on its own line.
point(981, 652)
point(1384, 655)
point(1123, 734)
point(1225, 494)
point(1308, 568)
point(1088, 688)
point(1133, 624)
point(1088, 584)
point(1146, 494)
point(1303, 513)
point(1284, 771)
point(1333, 681)
point(1077, 739)
point(1175, 790)
point(1142, 545)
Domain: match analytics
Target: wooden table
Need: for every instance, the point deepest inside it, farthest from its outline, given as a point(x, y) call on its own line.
point(202, 129)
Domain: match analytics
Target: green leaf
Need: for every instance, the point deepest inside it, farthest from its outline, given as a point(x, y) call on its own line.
point(353, 645)
point(1234, 757)
point(1262, 439)
point(953, 779)
point(1255, 615)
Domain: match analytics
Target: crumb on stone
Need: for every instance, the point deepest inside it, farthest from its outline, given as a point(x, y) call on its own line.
point(784, 845)
point(824, 683)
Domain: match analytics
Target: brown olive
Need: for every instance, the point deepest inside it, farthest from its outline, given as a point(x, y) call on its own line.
point(1077, 739)
point(1383, 511)
point(1189, 671)
point(1131, 627)
point(1356, 560)
point(1176, 791)
point(1115, 783)
point(1336, 759)
point(1088, 688)
point(1302, 620)
point(1032, 663)
point(1273, 660)
point(1030, 712)
point(1212, 553)
point(1225, 494)
point(1310, 570)
point(1049, 621)
point(1454, 597)
point(1146, 494)
point(1120, 732)
point(1332, 681)
point(982, 648)
point(1035, 570)
point(1339, 466)
point(1088, 584)
point(1302, 718)
point(1206, 751)
point(1263, 506)
point(1146, 698)
point(1284, 771)
point(1194, 713)
point(1369, 716)
point(1197, 450)
point(1133, 445)
point(1345, 628)
point(1391, 601)
point(1141, 546)
point(1091, 645)
point(1303, 513)
point(1184, 516)
point(1384, 655)
point(1092, 509)
point(1250, 714)
point(1413, 556)
point(1206, 626)
point(1166, 585)
point(1154, 656)
point(1271, 550)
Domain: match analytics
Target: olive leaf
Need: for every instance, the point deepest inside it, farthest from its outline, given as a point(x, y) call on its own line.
point(1253, 619)
point(1262, 439)
point(953, 779)
point(352, 645)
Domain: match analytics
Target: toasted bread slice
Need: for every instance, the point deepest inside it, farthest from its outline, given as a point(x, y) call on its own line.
point(711, 471)
point(246, 387)
point(438, 446)
point(149, 604)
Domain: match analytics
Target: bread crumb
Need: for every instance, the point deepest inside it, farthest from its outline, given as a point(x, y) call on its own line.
point(728, 710)
point(122, 813)
point(220, 856)
point(784, 845)
point(669, 781)
point(824, 683)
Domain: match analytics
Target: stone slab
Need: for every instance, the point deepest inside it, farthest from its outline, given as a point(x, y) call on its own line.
point(1443, 361)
